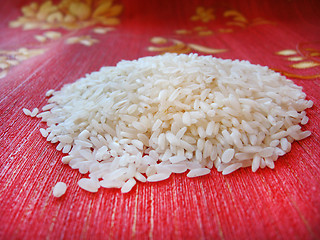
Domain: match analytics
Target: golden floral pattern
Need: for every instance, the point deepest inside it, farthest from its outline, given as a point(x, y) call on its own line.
point(230, 18)
point(85, 40)
point(240, 20)
point(199, 30)
point(203, 14)
point(12, 58)
point(102, 30)
point(298, 76)
point(237, 18)
point(177, 46)
point(49, 35)
point(305, 56)
point(302, 58)
point(68, 14)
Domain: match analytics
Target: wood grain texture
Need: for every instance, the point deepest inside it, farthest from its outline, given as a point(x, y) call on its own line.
point(283, 203)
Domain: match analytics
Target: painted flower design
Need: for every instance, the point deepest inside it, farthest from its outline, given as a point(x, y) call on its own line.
point(238, 19)
point(165, 45)
point(10, 58)
point(307, 55)
point(68, 14)
point(86, 40)
point(305, 59)
point(203, 14)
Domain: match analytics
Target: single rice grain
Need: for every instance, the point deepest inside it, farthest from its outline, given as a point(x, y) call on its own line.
point(59, 189)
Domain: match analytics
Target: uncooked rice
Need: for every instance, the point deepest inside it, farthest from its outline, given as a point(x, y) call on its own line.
point(145, 119)
point(59, 189)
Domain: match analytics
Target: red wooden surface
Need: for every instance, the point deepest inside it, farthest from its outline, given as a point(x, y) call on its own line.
point(283, 203)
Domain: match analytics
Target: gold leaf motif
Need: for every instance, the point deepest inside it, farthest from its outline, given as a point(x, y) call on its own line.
point(30, 25)
point(114, 11)
point(306, 64)
point(45, 9)
point(30, 10)
point(205, 33)
point(239, 24)
point(55, 17)
point(180, 47)
point(287, 52)
point(237, 16)
point(109, 21)
point(200, 48)
point(177, 47)
point(158, 40)
point(315, 54)
point(259, 21)
point(10, 58)
point(292, 75)
point(101, 30)
point(235, 19)
point(203, 14)
point(238, 19)
point(73, 40)
point(310, 49)
point(73, 25)
point(80, 10)
point(305, 57)
point(68, 14)
point(102, 9)
point(84, 40)
point(225, 30)
point(294, 59)
point(200, 28)
point(89, 2)
point(15, 24)
point(52, 35)
point(40, 38)
point(69, 18)
point(183, 31)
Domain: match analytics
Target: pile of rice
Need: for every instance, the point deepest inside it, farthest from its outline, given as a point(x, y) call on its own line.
point(145, 119)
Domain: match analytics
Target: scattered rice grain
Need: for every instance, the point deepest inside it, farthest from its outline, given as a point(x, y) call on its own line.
point(59, 189)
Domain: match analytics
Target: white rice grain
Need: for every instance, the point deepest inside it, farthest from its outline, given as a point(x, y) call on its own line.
point(304, 120)
point(266, 152)
point(44, 132)
point(198, 172)
point(34, 112)
point(49, 93)
point(256, 163)
point(178, 168)
point(231, 168)
point(89, 184)
point(140, 177)
point(66, 148)
point(158, 177)
point(111, 184)
point(128, 185)
point(227, 155)
point(59, 189)
point(26, 111)
point(177, 159)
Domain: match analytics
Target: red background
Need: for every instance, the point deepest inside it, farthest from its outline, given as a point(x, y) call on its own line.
point(283, 203)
